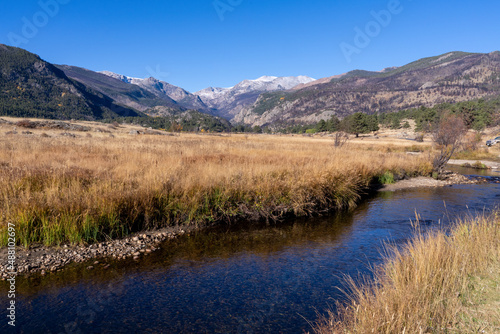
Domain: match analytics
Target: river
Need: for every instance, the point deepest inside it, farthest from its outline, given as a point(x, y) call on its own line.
point(245, 279)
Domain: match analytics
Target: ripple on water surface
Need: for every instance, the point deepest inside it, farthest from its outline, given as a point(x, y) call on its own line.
point(257, 279)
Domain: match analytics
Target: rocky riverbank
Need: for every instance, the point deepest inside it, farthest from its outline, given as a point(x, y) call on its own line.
point(41, 259)
point(447, 180)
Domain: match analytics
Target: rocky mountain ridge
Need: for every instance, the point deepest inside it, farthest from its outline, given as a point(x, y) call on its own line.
point(230, 101)
point(161, 88)
point(452, 77)
point(224, 102)
point(32, 87)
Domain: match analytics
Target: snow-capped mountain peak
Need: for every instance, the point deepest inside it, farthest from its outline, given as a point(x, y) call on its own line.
point(211, 92)
point(131, 80)
point(120, 77)
point(161, 88)
point(228, 101)
point(265, 78)
point(225, 102)
point(270, 83)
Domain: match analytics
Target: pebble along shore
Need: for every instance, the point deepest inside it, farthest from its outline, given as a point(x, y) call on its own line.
point(41, 259)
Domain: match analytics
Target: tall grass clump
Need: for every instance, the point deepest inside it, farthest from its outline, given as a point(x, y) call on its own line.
point(387, 178)
point(82, 190)
point(423, 287)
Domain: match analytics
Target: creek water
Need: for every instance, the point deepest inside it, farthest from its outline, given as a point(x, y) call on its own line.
point(247, 279)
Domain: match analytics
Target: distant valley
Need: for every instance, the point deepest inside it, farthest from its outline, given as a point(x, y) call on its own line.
point(30, 86)
point(223, 102)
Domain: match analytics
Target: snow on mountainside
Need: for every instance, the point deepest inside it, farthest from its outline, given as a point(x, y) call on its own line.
point(229, 101)
point(119, 76)
point(225, 102)
point(449, 78)
point(211, 93)
point(157, 87)
point(262, 84)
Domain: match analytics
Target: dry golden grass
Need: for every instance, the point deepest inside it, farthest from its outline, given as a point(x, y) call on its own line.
point(426, 287)
point(481, 311)
point(61, 189)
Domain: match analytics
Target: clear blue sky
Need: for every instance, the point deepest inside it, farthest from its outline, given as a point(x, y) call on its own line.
point(193, 45)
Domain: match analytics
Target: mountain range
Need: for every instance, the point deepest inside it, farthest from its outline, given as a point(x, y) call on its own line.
point(448, 78)
point(30, 86)
point(230, 101)
point(224, 102)
point(163, 89)
point(130, 95)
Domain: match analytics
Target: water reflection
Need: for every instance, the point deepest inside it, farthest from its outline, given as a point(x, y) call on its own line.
point(473, 171)
point(244, 279)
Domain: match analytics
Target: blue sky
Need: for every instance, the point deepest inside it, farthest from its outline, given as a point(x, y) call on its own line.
point(202, 43)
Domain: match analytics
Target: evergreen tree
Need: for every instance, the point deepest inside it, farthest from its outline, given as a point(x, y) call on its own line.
point(321, 126)
point(357, 124)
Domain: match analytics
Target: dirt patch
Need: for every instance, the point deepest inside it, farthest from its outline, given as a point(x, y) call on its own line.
point(419, 182)
point(489, 164)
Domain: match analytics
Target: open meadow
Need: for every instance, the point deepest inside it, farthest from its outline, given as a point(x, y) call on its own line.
point(80, 183)
point(106, 181)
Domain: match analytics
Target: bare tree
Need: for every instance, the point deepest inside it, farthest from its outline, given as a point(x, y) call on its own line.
point(448, 136)
point(340, 138)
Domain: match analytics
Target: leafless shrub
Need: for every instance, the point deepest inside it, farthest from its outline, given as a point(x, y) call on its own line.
point(340, 138)
point(27, 124)
point(471, 142)
point(447, 136)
